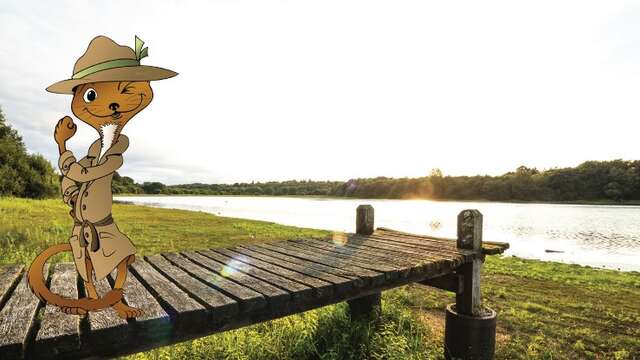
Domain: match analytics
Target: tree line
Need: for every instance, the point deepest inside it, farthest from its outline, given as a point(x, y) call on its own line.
point(616, 180)
point(31, 175)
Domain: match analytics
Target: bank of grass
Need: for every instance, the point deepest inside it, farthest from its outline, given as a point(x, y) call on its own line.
point(546, 310)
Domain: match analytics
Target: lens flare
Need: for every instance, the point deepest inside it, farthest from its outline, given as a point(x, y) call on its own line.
point(339, 238)
point(230, 268)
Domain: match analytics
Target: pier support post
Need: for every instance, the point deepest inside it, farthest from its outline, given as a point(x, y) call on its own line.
point(369, 306)
point(470, 328)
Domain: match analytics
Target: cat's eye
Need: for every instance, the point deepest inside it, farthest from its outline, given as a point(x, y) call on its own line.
point(90, 95)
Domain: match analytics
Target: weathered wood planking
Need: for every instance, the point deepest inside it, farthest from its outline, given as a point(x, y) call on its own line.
point(396, 266)
point(105, 329)
point(220, 305)
point(153, 328)
point(17, 319)
point(187, 315)
point(59, 334)
point(194, 294)
point(340, 283)
point(9, 277)
point(348, 257)
point(430, 248)
point(391, 253)
point(214, 274)
point(488, 247)
point(336, 263)
point(356, 281)
point(399, 253)
point(240, 263)
point(293, 281)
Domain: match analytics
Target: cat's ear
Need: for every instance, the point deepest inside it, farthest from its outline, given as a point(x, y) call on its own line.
point(76, 89)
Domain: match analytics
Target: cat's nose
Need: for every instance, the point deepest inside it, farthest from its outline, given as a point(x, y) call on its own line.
point(114, 106)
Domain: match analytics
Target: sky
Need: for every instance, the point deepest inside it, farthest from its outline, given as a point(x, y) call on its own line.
point(333, 90)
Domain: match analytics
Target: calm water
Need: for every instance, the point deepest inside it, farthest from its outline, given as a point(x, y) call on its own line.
point(596, 235)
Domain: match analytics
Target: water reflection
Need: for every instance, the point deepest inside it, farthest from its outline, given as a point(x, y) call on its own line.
point(596, 235)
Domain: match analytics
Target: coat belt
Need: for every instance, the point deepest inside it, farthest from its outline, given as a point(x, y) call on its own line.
point(91, 226)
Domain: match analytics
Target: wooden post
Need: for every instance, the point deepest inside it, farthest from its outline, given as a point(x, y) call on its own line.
point(470, 238)
point(364, 220)
point(365, 307)
point(470, 328)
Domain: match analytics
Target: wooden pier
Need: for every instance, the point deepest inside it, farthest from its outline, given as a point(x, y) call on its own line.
point(192, 294)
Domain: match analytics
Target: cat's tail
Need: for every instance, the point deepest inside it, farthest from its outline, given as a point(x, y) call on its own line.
point(39, 288)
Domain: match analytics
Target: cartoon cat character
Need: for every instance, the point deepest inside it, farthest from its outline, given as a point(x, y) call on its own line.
point(109, 87)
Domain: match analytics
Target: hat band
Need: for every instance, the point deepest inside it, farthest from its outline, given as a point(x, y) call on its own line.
point(111, 64)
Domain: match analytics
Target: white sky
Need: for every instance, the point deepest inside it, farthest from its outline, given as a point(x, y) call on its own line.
point(342, 89)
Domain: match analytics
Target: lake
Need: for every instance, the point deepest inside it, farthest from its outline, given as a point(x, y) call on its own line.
point(594, 235)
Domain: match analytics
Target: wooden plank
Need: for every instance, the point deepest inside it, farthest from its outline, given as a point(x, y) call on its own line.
point(248, 296)
point(296, 277)
point(9, 278)
point(106, 330)
point(386, 248)
point(362, 252)
point(411, 235)
point(423, 245)
point(415, 237)
point(153, 327)
point(220, 305)
point(339, 259)
point(402, 265)
point(448, 248)
point(356, 281)
point(407, 264)
point(448, 245)
point(341, 284)
point(494, 248)
point(488, 247)
point(449, 282)
point(17, 318)
point(301, 293)
point(59, 333)
point(338, 264)
point(186, 314)
point(359, 256)
point(373, 245)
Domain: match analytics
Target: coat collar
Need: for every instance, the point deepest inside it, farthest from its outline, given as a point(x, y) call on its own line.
point(118, 147)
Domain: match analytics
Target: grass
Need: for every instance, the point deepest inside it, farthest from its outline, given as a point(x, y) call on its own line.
point(29, 226)
point(545, 310)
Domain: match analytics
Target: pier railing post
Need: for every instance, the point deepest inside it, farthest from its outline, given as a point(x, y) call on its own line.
point(469, 301)
point(369, 306)
point(470, 328)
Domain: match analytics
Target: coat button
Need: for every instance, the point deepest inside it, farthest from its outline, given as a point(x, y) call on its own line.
point(86, 193)
point(84, 207)
point(86, 235)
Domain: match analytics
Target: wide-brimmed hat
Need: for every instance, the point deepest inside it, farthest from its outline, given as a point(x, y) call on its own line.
point(105, 60)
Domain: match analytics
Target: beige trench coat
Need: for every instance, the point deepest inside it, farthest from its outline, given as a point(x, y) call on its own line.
point(90, 179)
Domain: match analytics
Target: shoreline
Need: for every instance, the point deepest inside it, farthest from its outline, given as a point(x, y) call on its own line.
point(612, 267)
point(576, 202)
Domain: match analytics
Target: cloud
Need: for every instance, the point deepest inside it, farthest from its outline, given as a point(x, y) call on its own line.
point(336, 90)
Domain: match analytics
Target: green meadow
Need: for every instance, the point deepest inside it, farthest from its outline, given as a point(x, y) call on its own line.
point(545, 310)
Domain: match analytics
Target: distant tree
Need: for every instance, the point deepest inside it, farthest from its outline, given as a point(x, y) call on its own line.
point(153, 187)
point(613, 191)
point(23, 174)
